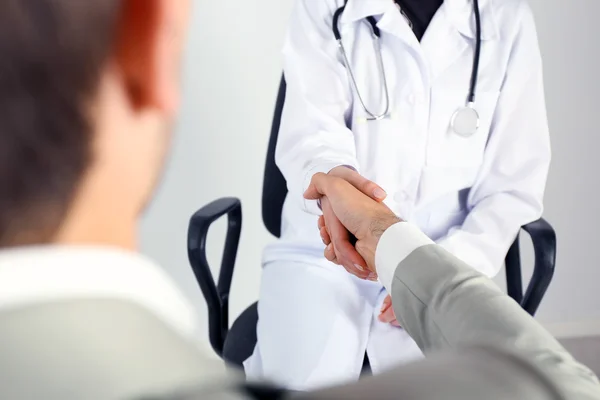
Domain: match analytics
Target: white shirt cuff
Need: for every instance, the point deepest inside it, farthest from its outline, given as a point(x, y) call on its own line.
point(397, 243)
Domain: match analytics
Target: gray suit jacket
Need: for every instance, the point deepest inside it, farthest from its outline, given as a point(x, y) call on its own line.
point(480, 345)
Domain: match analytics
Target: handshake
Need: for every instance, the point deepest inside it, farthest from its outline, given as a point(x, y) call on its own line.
point(353, 220)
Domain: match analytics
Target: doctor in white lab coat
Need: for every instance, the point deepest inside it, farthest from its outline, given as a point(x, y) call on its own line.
point(469, 194)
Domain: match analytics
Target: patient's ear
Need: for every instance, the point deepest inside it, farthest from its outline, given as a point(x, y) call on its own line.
point(147, 51)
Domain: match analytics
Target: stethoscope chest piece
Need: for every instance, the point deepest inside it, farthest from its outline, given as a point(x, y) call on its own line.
point(465, 121)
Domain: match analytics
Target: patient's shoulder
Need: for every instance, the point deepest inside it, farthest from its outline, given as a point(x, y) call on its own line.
point(97, 348)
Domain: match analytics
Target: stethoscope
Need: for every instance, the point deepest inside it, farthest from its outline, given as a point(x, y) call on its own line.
point(464, 121)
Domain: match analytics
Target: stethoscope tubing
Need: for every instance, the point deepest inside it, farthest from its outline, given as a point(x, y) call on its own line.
point(377, 40)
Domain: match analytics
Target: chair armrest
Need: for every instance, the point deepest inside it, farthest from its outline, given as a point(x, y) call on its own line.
point(544, 247)
point(543, 238)
point(216, 295)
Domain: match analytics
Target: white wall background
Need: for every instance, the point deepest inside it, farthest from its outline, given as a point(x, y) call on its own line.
point(230, 82)
point(231, 76)
point(568, 34)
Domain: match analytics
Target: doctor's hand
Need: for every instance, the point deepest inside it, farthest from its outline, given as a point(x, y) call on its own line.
point(366, 186)
point(362, 216)
point(342, 250)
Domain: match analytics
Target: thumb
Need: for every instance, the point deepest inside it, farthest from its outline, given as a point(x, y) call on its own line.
point(365, 185)
point(368, 187)
point(312, 193)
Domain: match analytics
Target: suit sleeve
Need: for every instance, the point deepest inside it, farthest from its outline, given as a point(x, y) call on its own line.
point(444, 304)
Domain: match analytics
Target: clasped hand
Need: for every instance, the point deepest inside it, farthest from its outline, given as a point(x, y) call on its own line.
point(353, 220)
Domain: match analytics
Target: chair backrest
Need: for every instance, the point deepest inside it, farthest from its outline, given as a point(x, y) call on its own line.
point(274, 185)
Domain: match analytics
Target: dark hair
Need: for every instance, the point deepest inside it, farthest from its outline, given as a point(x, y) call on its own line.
point(51, 56)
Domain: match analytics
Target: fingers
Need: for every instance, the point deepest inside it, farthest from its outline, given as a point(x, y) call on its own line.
point(339, 238)
point(321, 222)
point(368, 187)
point(387, 303)
point(363, 184)
point(325, 236)
point(318, 186)
point(351, 207)
point(387, 312)
point(334, 256)
point(388, 317)
point(329, 254)
point(350, 211)
point(324, 231)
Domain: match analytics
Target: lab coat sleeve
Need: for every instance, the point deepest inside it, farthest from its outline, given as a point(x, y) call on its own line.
point(313, 135)
point(508, 192)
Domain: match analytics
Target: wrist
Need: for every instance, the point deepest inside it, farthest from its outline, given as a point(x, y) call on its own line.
point(367, 246)
point(381, 224)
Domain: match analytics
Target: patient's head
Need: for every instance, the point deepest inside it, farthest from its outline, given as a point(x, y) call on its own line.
point(88, 90)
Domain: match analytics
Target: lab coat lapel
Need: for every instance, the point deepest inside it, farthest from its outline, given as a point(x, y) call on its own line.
point(357, 10)
point(391, 20)
point(442, 44)
point(460, 13)
point(452, 32)
point(449, 35)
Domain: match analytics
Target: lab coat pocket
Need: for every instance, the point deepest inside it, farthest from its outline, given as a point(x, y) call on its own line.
point(445, 148)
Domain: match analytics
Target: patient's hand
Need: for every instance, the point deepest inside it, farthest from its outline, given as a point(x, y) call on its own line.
point(342, 250)
point(387, 312)
point(364, 217)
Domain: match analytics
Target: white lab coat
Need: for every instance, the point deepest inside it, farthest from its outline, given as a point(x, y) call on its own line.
point(471, 195)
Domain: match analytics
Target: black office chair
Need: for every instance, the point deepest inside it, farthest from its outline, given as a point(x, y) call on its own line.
point(237, 343)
